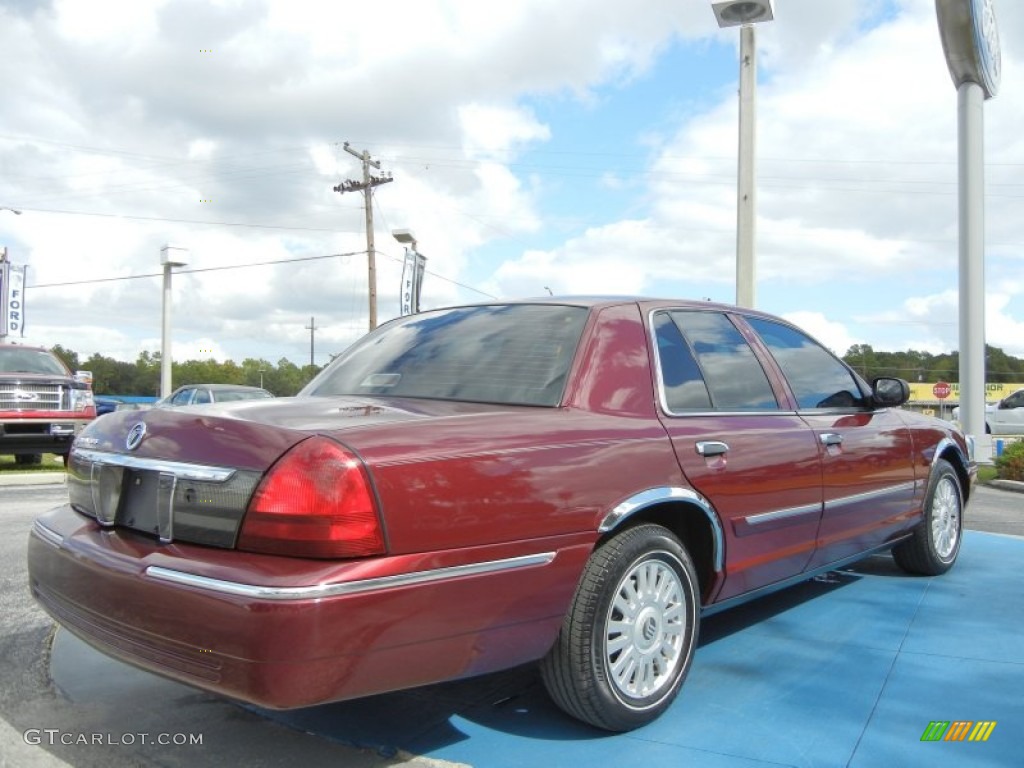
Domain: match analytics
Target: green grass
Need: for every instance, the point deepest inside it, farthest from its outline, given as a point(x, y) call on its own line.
point(51, 463)
point(987, 473)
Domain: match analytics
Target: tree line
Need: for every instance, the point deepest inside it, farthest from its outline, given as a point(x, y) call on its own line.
point(924, 366)
point(142, 378)
point(116, 377)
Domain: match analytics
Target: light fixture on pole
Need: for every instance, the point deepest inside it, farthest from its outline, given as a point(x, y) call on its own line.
point(170, 256)
point(413, 267)
point(743, 14)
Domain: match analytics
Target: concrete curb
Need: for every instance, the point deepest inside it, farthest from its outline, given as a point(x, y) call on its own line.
point(1008, 485)
point(33, 478)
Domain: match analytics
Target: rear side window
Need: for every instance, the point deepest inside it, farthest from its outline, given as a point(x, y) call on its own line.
point(817, 378)
point(515, 354)
point(734, 377)
point(681, 378)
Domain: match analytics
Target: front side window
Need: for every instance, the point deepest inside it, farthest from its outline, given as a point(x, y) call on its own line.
point(183, 397)
point(202, 396)
point(817, 378)
point(735, 379)
point(516, 354)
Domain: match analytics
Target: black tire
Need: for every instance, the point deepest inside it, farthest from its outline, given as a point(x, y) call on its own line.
point(642, 579)
point(935, 544)
point(28, 459)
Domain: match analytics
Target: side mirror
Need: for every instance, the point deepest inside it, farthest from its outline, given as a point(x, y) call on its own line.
point(889, 393)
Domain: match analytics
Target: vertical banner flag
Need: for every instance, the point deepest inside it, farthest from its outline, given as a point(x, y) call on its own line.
point(14, 299)
point(412, 281)
point(3, 293)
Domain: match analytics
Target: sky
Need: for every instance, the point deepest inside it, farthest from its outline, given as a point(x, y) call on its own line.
point(570, 147)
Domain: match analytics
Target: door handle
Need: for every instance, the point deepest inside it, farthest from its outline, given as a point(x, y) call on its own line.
point(711, 448)
point(830, 438)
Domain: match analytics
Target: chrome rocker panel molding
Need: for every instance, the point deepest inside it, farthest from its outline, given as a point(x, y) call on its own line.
point(732, 602)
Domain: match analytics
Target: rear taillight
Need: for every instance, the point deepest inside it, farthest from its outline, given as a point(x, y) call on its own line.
point(315, 502)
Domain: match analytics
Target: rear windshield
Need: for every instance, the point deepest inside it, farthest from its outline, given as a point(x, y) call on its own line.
point(512, 354)
point(13, 360)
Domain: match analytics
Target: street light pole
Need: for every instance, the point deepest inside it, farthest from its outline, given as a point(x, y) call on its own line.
point(170, 256)
point(745, 13)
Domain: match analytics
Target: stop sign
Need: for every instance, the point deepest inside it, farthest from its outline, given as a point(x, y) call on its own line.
point(941, 390)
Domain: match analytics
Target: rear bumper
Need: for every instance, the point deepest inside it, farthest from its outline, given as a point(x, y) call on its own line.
point(285, 633)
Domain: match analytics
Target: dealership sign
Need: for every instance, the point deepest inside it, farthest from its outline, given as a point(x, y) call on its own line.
point(12, 299)
point(970, 40)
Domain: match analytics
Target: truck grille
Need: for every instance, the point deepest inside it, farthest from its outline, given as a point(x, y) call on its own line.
point(34, 397)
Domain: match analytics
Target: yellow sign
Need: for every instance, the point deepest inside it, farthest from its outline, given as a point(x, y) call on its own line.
point(922, 392)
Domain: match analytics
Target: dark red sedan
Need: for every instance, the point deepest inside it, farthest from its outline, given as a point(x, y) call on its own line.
point(469, 489)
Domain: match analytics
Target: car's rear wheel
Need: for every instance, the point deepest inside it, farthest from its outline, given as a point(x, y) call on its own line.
point(935, 544)
point(627, 642)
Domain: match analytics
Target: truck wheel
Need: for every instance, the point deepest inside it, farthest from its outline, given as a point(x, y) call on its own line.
point(628, 639)
point(28, 459)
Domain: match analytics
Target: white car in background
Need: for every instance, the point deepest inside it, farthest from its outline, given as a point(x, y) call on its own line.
point(1005, 417)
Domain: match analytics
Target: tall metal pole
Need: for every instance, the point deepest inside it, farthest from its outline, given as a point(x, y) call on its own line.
point(170, 256)
point(312, 329)
point(165, 337)
point(746, 202)
point(971, 129)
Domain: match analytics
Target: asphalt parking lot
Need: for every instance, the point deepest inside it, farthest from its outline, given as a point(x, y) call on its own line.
point(847, 670)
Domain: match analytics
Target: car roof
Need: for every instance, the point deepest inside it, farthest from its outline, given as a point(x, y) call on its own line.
point(222, 387)
point(600, 302)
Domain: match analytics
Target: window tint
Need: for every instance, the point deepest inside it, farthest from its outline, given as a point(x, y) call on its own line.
point(817, 378)
point(734, 376)
point(516, 354)
point(202, 396)
point(680, 376)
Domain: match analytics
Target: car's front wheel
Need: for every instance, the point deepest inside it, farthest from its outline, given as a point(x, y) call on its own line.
point(627, 642)
point(935, 544)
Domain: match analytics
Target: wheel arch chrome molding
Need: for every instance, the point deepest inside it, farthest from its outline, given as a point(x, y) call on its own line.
point(943, 446)
point(663, 495)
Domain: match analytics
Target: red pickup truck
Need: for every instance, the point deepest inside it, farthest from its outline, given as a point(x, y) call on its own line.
point(42, 405)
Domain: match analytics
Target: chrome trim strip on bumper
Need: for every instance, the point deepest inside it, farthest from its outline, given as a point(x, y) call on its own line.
point(314, 591)
point(52, 538)
point(857, 498)
point(179, 469)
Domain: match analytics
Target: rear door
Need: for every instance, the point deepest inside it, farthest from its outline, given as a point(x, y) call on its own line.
point(756, 463)
point(870, 490)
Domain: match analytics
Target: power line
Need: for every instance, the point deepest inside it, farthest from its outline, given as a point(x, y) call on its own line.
point(191, 221)
point(195, 271)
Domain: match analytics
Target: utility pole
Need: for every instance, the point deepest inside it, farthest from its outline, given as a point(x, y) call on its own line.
point(312, 329)
point(366, 187)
